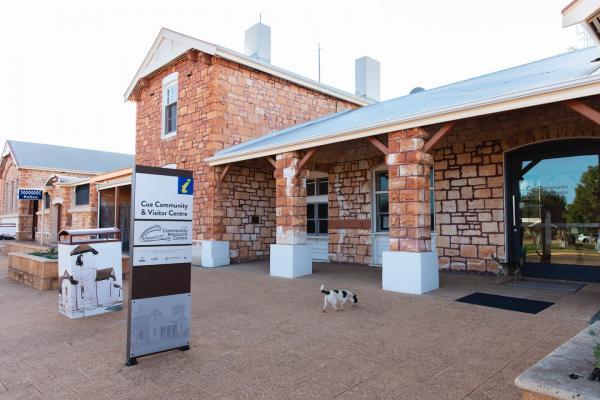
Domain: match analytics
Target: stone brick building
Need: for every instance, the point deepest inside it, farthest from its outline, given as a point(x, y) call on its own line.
point(63, 174)
point(506, 165)
point(98, 201)
point(222, 98)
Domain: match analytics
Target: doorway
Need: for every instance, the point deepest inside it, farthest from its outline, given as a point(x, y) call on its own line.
point(553, 209)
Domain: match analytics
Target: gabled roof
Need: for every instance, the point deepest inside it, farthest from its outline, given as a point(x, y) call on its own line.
point(170, 46)
point(67, 159)
point(562, 77)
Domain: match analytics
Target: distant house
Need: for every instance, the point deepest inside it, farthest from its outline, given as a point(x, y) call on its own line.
point(26, 165)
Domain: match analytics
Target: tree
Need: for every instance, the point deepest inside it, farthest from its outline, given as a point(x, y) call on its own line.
point(586, 205)
point(551, 200)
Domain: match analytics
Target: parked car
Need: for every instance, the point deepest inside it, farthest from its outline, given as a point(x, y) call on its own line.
point(583, 238)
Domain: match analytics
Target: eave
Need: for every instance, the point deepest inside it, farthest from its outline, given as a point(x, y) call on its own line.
point(565, 91)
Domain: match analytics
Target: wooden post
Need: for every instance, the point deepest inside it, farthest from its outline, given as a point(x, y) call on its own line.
point(117, 210)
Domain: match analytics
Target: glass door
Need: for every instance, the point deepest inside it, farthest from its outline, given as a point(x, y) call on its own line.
point(554, 198)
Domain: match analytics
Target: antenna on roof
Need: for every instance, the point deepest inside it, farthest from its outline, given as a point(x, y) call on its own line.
point(260, 18)
point(319, 60)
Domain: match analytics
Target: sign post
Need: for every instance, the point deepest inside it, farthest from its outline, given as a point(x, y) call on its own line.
point(161, 256)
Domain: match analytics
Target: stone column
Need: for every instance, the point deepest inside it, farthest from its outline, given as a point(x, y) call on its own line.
point(291, 255)
point(214, 251)
point(410, 266)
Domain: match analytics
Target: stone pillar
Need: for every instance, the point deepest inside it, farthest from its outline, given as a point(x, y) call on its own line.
point(291, 255)
point(410, 266)
point(212, 251)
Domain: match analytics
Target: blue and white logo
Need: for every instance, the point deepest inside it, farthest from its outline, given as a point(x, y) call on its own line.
point(185, 185)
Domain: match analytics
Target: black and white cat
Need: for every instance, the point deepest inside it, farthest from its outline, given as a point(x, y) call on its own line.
point(338, 296)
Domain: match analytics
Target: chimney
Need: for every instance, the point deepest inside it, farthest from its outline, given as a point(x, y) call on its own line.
point(366, 73)
point(258, 42)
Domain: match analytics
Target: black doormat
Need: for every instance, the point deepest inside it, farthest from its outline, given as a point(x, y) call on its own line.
point(505, 302)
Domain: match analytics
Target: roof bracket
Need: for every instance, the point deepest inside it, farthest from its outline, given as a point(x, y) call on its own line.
point(192, 55)
point(224, 172)
point(583, 109)
point(272, 161)
point(443, 131)
point(304, 160)
point(377, 143)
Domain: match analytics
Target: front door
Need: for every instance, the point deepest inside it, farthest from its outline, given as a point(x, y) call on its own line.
point(553, 203)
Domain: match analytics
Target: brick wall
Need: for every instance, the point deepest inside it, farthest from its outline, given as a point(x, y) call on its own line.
point(350, 195)
point(249, 211)
point(28, 178)
point(71, 216)
point(469, 178)
point(220, 103)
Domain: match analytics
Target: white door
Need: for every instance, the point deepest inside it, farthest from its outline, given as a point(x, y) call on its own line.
point(320, 248)
point(317, 215)
point(380, 243)
point(380, 239)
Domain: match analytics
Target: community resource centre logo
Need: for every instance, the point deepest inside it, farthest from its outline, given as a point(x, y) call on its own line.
point(185, 185)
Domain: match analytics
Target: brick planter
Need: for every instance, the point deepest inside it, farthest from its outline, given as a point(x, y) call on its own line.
point(38, 272)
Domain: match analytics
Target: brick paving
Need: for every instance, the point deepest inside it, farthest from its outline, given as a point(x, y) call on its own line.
point(258, 337)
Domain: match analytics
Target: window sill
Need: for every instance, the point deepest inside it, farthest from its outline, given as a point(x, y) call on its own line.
point(11, 215)
point(168, 135)
point(318, 237)
point(78, 209)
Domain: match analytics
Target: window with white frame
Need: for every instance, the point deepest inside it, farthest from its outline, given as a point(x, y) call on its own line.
point(169, 104)
point(317, 212)
point(382, 206)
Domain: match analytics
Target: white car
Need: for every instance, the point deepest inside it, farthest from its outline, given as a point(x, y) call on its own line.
point(583, 238)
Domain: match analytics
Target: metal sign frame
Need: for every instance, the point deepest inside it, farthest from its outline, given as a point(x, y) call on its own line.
point(160, 282)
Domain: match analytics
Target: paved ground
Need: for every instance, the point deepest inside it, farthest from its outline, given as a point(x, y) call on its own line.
point(258, 337)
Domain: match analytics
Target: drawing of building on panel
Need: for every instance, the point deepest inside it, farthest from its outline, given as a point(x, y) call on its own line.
point(160, 323)
point(89, 284)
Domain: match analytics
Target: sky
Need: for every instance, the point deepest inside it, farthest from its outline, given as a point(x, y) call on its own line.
point(66, 64)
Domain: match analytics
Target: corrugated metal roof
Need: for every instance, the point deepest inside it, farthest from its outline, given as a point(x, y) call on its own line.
point(61, 158)
point(527, 79)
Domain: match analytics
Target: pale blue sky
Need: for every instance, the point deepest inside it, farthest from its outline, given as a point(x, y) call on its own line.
point(559, 174)
point(66, 64)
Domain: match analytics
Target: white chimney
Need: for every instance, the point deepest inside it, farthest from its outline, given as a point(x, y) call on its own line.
point(366, 73)
point(258, 42)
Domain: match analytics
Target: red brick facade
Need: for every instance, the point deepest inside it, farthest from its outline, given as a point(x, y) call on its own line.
point(26, 178)
point(249, 211)
point(221, 103)
point(290, 199)
point(409, 169)
point(469, 178)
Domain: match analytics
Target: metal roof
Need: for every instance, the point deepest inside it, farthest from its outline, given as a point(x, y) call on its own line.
point(68, 159)
point(565, 76)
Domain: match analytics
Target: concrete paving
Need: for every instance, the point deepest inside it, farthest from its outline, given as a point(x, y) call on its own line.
point(259, 337)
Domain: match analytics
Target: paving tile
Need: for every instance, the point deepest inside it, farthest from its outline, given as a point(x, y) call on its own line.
point(271, 341)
